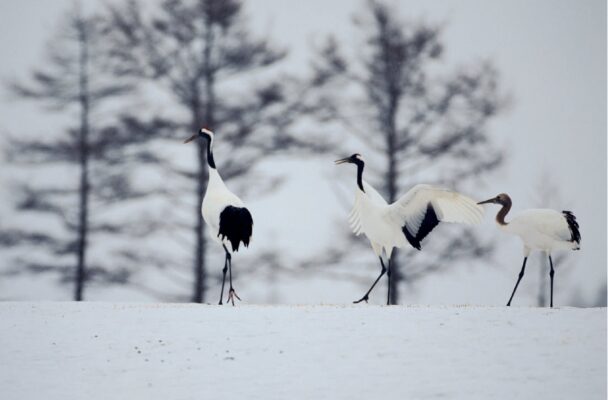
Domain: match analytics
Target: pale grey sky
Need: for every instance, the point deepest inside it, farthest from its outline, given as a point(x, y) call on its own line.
point(552, 59)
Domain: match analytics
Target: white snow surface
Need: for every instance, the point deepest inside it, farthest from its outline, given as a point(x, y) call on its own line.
point(186, 351)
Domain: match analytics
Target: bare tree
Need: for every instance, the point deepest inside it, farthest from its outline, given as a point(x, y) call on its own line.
point(97, 152)
point(201, 54)
point(414, 123)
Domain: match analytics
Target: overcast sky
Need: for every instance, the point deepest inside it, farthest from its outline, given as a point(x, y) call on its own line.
point(552, 59)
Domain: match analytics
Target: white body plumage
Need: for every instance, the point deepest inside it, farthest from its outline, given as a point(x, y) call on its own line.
point(541, 229)
point(217, 198)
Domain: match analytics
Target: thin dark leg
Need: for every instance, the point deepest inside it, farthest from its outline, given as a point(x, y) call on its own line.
point(551, 273)
point(366, 297)
point(231, 292)
point(521, 275)
point(388, 273)
point(224, 275)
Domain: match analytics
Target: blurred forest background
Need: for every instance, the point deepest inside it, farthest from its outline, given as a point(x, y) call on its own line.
point(101, 201)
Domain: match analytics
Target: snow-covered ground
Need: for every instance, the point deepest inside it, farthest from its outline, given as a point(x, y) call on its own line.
point(182, 351)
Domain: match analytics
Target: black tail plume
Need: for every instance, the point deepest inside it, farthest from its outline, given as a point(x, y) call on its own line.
point(236, 224)
point(573, 225)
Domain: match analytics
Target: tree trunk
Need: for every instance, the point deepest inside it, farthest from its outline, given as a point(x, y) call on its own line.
point(207, 120)
point(392, 179)
point(83, 209)
point(198, 295)
point(200, 248)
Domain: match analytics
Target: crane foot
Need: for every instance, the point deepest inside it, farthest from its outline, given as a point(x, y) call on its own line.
point(231, 295)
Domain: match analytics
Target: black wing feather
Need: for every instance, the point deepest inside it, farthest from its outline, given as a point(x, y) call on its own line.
point(428, 224)
point(236, 224)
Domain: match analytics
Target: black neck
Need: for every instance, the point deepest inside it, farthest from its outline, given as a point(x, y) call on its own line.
point(360, 165)
point(210, 159)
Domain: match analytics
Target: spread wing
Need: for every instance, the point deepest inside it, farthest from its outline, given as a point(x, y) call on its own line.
point(424, 206)
point(354, 218)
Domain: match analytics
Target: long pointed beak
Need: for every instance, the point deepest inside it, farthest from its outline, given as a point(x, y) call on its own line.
point(191, 138)
point(342, 161)
point(492, 200)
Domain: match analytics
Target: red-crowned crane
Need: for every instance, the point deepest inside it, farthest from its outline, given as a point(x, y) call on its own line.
point(225, 214)
point(409, 219)
point(539, 229)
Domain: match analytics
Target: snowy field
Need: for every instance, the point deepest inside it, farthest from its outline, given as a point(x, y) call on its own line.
point(180, 351)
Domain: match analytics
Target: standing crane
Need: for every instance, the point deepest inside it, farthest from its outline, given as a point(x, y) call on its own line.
point(408, 220)
point(539, 229)
point(225, 214)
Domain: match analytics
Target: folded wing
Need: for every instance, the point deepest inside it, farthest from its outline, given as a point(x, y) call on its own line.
point(421, 209)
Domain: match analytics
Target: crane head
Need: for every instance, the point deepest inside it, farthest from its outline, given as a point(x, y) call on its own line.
point(203, 133)
point(354, 159)
point(501, 199)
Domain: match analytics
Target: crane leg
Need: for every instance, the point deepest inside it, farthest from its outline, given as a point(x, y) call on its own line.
point(224, 270)
point(231, 292)
point(521, 275)
point(551, 273)
point(366, 296)
point(388, 274)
